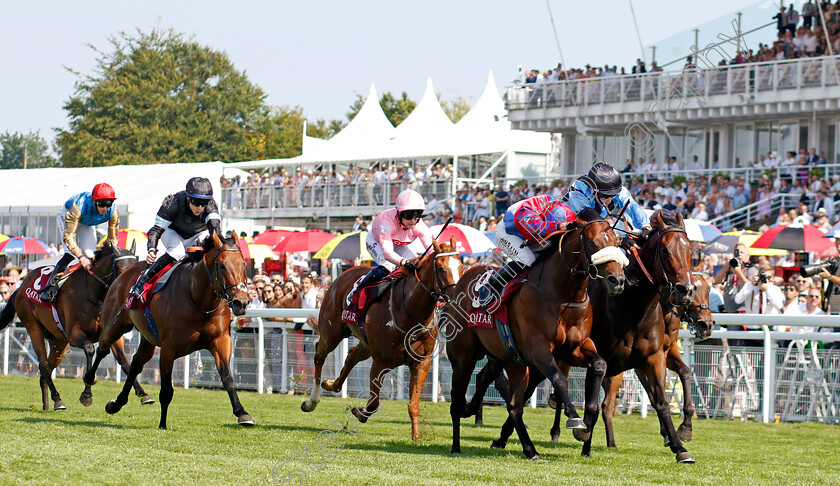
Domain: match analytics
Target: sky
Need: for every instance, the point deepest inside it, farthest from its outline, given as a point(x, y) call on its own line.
point(318, 54)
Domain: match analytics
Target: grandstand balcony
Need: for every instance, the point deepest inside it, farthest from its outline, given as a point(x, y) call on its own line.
point(746, 91)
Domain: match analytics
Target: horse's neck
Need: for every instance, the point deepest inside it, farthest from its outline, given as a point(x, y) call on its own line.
point(555, 277)
point(413, 296)
point(198, 283)
point(643, 292)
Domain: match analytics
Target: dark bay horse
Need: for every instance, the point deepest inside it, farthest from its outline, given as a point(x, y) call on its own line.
point(78, 305)
point(398, 329)
point(630, 330)
point(700, 322)
point(550, 320)
point(192, 312)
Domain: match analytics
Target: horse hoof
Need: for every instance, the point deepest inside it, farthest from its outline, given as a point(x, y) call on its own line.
point(86, 400)
point(575, 423)
point(479, 422)
point(497, 444)
point(111, 407)
point(246, 420)
point(328, 385)
point(455, 450)
point(146, 400)
point(666, 442)
point(307, 406)
point(684, 433)
point(555, 437)
point(359, 415)
point(59, 405)
point(582, 435)
point(685, 458)
point(536, 457)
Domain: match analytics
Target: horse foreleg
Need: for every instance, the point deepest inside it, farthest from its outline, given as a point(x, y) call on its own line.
point(357, 353)
point(462, 369)
point(220, 349)
point(652, 376)
point(676, 364)
point(419, 371)
point(543, 361)
point(86, 397)
point(518, 379)
point(144, 353)
point(378, 371)
point(534, 380)
point(490, 373)
point(611, 386)
point(118, 350)
point(90, 374)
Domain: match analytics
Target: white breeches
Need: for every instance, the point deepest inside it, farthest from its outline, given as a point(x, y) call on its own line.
point(375, 250)
point(85, 235)
point(176, 246)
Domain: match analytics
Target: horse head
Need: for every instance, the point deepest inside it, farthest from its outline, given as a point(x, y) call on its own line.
point(445, 270)
point(109, 261)
point(697, 315)
point(226, 266)
point(667, 255)
point(600, 253)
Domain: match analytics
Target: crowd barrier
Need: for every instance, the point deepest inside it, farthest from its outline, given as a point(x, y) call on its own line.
point(801, 382)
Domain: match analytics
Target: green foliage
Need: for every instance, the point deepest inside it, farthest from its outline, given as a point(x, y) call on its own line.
point(817, 171)
point(396, 109)
point(323, 128)
point(679, 179)
point(160, 97)
point(203, 445)
point(454, 109)
point(15, 147)
point(557, 181)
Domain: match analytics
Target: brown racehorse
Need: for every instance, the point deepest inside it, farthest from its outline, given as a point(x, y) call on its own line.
point(191, 312)
point(550, 320)
point(399, 329)
point(78, 305)
point(630, 330)
point(700, 322)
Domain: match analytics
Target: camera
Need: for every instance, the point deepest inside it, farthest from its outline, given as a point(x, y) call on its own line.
point(810, 270)
point(762, 278)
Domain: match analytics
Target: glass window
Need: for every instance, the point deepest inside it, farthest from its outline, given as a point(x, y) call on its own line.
point(788, 138)
point(695, 144)
point(744, 146)
point(762, 139)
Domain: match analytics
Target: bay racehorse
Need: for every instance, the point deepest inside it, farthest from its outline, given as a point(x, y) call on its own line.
point(398, 329)
point(190, 313)
point(630, 330)
point(78, 305)
point(550, 320)
point(700, 322)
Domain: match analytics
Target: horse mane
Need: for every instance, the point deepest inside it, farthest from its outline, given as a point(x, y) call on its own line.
point(665, 218)
point(588, 214)
point(207, 245)
point(104, 250)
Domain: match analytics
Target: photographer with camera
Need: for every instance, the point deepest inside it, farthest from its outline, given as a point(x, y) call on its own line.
point(760, 295)
point(733, 276)
point(829, 271)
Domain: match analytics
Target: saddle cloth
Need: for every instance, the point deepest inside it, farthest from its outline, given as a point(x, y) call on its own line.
point(480, 317)
point(153, 286)
point(354, 314)
point(33, 290)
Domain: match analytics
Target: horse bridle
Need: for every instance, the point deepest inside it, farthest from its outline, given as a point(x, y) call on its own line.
point(109, 279)
point(586, 252)
point(440, 295)
point(672, 287)
point(222, 291)
point(688, 319)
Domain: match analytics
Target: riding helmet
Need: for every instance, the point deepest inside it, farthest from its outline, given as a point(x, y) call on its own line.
point(409, 200)
point(199, 187)
point(103, 191)
point(606, 179)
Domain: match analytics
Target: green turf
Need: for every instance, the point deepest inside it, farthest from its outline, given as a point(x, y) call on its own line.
point(203, 445)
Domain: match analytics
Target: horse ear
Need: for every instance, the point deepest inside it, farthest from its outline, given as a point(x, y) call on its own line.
point(235, 238)
point(436, 245)
point(680, 219)
point(217, 242)
point(453, 242)
point(133, 247)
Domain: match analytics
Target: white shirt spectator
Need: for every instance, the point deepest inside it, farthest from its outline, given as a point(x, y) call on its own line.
point(802, 310)
point(770, 301)
point(309, 300)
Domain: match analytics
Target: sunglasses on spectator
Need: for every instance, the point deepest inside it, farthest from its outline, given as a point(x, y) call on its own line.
point(813, 296)
point(104, 203)
point(790, 289)
point(199, 203)
point(409, 215)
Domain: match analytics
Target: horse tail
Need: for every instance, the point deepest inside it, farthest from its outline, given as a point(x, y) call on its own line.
point(8, 312)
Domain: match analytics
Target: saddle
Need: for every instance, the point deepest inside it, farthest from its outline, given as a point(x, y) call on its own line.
point(496, 313)
point(153, 286)
point(33, 290)
point(354, 313)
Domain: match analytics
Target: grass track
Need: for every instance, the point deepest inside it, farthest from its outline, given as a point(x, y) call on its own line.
point(204, 445)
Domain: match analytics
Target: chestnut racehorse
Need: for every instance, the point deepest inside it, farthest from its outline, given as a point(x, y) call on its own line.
point(550, 320)
point(190, 313)
point(398, 329)
point(78, 305)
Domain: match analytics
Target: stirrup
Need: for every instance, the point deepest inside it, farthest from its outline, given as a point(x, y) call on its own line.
point(48, 294)
point(485, 296)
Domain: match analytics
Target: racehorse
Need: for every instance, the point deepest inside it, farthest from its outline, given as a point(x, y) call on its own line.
point(630, 330)
point(550, 320)
point(190, 313)
point(398, 329)
point(78, 305)
point(700, 322)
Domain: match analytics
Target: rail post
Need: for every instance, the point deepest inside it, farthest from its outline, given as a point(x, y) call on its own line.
point(769, 366)
point(260, 355)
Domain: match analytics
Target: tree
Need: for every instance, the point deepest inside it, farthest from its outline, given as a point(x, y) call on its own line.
point(277, 133)
point(455, 109)
point(160, 97)
point(396, 109)
point(19, 150)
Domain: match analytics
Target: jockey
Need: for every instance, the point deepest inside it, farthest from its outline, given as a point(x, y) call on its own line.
point(390, 234)
point(77, 219)
point(523, 230)
point(185, 219)
point(602, 190)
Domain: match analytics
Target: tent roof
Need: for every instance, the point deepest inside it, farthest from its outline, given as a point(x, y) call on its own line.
point(427, 131)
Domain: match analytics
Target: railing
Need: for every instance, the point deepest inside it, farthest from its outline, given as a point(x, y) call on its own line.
point(329, 195)
point(791, 383)
point(663, 87)
point(749, 214)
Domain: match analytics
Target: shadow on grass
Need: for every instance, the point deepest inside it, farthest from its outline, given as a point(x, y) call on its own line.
point(84, 423)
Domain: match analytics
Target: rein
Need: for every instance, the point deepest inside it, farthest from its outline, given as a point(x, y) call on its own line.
point(658, 260)
point(439, 296)
point(108, 280)
point(222, 292)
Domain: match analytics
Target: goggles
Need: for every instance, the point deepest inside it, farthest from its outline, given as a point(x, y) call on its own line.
point(409, 215)
point(104, 203)
point(197, 202)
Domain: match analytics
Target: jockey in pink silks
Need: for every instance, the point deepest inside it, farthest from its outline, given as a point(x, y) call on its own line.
point(390, 234)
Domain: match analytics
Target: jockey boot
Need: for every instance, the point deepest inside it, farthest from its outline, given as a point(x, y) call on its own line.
point(49, 292)
point(493, 288)
point(375, 275)
point(157, 266)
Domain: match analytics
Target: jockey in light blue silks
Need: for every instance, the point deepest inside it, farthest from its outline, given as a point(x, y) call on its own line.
point(602, 190)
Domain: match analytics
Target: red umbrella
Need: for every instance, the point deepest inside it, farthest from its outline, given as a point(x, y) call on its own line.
point(271, 237)
point(309, 240)
point(796, 237)
point(255, 250)
point(24, 246)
